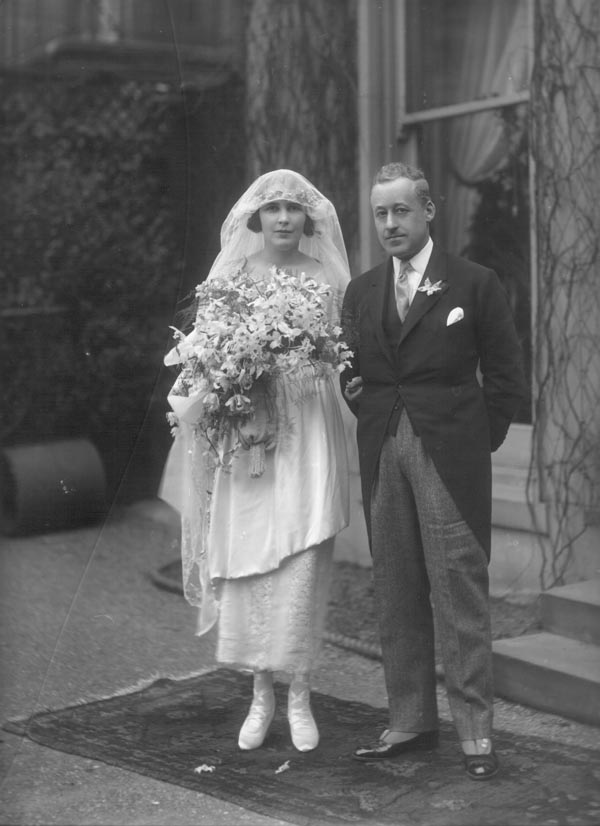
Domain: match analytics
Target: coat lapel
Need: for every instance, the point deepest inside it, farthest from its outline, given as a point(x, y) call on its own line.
point(377, 302)
point(422, 303)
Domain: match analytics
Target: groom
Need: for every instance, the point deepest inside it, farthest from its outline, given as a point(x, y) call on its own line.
point(423, 326)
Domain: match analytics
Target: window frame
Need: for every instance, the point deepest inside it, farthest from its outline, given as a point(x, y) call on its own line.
point(385, 124)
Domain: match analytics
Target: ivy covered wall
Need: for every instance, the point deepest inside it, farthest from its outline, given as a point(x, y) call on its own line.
point(108, 217)
point(565, 129)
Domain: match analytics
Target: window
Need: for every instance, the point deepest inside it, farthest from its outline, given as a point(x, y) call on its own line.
point(463, 118)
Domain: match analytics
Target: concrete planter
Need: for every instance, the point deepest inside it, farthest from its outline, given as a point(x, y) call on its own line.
point(50, 486)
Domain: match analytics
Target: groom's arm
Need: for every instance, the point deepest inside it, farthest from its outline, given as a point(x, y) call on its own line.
point(350, 379)
point(501, 358)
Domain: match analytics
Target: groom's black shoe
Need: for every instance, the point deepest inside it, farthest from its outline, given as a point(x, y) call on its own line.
point(381, 750)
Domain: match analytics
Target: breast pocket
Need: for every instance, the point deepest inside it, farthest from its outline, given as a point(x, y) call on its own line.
point(460, 344)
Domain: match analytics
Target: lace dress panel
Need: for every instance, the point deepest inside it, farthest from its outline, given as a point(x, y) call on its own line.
point(275, 621)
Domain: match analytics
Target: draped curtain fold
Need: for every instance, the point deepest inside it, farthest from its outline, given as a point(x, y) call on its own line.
point(494, 62)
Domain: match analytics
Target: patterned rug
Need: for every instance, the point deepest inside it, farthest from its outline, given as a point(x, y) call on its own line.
point(184, 732)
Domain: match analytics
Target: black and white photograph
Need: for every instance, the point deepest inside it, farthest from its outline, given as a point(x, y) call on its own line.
point(299, 413)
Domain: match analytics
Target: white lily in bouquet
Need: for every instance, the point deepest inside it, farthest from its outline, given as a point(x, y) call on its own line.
point(247, 333)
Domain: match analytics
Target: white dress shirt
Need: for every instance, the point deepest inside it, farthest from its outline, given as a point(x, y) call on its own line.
point(418, 265)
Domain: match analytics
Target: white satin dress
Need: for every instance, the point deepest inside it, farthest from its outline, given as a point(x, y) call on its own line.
point(270, 542)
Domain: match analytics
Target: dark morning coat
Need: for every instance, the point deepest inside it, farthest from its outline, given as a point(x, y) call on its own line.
point(430, 369)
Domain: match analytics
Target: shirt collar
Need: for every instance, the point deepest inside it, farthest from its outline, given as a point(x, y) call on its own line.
point(419, 261)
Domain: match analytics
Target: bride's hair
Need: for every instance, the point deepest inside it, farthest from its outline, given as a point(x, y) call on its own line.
point(253, 223)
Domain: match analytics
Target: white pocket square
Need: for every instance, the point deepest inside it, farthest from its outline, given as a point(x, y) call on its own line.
point(454, 315)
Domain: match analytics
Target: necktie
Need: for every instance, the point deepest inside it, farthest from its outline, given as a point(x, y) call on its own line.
point(402, 289)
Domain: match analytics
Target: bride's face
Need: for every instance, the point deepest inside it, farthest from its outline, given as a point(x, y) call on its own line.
point(282, 224)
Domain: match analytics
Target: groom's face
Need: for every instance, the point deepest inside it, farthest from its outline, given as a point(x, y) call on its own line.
point(401, 219)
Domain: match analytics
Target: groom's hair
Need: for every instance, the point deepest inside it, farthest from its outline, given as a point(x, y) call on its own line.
point(393, 171)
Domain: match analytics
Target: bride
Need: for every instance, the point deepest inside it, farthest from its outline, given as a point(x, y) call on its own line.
point(257, 552)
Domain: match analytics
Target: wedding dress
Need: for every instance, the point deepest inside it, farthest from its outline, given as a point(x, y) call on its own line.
point(273, 537)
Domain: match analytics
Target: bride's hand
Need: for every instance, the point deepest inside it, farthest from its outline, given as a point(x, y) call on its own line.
point(260, 428)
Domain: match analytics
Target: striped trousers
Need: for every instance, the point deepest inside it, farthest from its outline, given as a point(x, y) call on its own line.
point(429, 570)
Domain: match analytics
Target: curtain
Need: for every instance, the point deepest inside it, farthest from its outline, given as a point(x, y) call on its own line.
point(495, 62)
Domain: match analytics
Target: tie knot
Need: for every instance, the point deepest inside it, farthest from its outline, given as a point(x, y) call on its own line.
point(403, 270)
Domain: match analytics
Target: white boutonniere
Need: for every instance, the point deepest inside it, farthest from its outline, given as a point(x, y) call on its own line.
point(429, 288)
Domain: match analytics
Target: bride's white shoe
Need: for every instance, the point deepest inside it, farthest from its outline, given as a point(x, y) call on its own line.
point(260, 717)
point(305, 735)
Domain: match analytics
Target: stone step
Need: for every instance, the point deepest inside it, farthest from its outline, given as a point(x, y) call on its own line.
point(550, 673)
point(517, 564)
point(510, 505)
point(573, 611)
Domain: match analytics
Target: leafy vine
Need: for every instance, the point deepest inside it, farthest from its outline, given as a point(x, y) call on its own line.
point(565, 114)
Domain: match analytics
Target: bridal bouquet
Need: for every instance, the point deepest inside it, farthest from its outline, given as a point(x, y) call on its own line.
point(250, 330)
